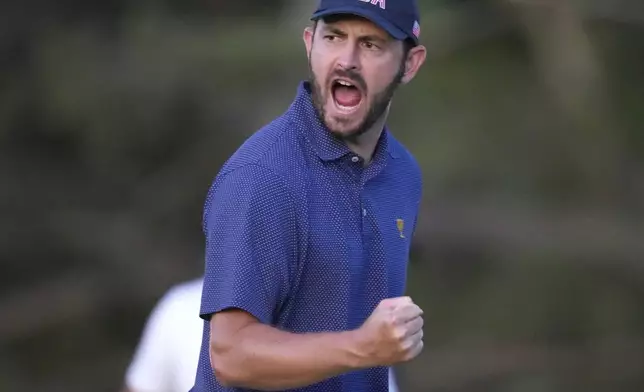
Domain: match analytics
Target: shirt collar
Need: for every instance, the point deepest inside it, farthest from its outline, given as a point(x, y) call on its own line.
point(303, 114)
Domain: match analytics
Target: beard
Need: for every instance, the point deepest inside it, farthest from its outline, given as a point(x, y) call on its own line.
point(378, 102)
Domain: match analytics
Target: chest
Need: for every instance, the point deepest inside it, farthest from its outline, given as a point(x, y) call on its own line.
point(349, 222)
point(358, 242)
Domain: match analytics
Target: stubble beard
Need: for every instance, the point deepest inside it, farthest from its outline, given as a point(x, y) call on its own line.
point(379, 104)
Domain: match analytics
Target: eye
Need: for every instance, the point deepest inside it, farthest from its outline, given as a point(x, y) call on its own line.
point(330, 37)
point(370, 45)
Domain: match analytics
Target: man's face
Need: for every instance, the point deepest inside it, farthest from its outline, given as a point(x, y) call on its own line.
point(355, 68)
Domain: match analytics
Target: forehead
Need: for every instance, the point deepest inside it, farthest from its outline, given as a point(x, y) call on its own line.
point(354, 24)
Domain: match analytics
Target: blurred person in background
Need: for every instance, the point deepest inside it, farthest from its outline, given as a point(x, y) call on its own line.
point(166, 357)
point(308, 225)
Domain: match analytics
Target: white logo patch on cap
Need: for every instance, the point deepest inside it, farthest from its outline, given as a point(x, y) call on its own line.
point(380, 3)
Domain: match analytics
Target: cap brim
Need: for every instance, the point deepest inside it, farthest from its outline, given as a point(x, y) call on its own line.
point(389, 27)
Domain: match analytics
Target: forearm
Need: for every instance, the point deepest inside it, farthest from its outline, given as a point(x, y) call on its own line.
point(264, 358)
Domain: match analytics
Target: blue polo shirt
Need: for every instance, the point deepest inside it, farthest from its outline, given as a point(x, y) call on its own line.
point(302, 235)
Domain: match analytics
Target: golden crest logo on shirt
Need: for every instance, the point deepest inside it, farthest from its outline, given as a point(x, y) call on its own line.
point(400, 224)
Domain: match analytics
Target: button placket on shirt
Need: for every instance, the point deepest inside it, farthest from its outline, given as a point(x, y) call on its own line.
point(368, 218)
point(358, 161)
point(366, 215)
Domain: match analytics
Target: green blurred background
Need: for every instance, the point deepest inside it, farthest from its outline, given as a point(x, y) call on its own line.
point(528, 121)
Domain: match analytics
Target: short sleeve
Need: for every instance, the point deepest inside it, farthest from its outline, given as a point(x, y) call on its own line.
point(251, 231)
point(150, 368)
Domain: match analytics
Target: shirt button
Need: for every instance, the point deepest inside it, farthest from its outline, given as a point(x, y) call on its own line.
point(355, 159)
point(364, 212)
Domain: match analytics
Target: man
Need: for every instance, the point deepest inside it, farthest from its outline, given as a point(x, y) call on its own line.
point(166, 357)
point(308, 225)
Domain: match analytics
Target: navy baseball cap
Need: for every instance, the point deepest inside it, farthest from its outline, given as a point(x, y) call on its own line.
point(397, 17)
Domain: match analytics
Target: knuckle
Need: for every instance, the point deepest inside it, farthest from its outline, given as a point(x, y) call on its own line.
point(385, 301)
point(404, 346)
point(389, 319)
point(399, 334)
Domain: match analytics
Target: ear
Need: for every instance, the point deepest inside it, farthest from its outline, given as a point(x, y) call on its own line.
point(308, 40)
point(415, 59)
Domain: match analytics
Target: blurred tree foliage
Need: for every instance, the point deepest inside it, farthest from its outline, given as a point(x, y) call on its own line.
point(527, 120)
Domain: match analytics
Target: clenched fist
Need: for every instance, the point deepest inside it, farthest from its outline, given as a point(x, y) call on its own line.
point(393, 333)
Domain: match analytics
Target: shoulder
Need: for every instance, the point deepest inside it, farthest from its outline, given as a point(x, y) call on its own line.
point(274, 146)
point(259, 171)
point(244, 186)
point(263, 160)
point(248, 195)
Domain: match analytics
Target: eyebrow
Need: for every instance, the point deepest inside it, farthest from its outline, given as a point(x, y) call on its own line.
point(333, 30)
point(340, 32)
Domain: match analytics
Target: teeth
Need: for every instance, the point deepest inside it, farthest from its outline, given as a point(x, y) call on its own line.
point(345, 83)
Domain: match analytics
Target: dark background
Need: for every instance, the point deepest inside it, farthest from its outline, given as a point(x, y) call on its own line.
point(528, 121)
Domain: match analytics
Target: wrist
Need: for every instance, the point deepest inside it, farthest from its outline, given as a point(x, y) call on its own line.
point(358, 349)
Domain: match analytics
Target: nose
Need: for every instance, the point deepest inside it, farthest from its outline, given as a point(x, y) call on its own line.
point(349, 59)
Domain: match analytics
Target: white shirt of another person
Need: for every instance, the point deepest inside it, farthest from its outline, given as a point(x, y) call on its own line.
point(166, 357)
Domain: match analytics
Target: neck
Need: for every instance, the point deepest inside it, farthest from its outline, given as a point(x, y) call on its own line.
point(365, 144)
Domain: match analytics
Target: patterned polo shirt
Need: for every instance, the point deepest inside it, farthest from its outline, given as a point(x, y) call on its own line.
point(305, 237)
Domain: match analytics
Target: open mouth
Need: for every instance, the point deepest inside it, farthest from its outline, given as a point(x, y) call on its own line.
point(346, 95)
